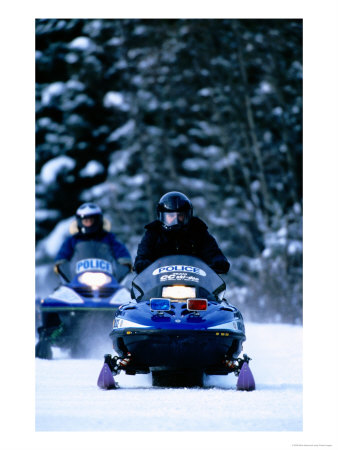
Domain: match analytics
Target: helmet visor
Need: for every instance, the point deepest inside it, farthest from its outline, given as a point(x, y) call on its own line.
point(170, 219)
point(88, 221)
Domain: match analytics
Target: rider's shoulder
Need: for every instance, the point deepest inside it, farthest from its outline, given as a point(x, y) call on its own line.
point(198, 224)
point(153, 226)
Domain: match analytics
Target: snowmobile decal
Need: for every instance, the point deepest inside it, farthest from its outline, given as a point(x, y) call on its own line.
point(179, 277)
point(94, 264)
point(179, 268)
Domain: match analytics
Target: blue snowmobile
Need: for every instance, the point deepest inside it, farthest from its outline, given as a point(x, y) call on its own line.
point(77, 316)
point(179, 326)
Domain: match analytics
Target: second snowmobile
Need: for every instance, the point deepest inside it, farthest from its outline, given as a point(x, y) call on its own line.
point(77, 316)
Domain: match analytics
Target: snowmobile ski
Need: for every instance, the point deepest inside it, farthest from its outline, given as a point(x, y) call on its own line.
point(106, 380)
point(112, 366)
point(245, 380)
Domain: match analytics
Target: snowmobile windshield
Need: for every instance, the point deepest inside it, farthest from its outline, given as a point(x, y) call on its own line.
point(180, 271)
point(91, 249)
point(93, 256)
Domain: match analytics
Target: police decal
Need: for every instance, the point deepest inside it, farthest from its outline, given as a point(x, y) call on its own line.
point(94, 264)
point(179, 268)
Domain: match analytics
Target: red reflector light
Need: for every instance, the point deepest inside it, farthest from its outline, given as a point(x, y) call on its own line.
point(197, 304)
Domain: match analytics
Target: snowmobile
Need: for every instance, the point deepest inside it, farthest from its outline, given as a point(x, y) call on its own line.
point(78, 314)
point(178, 326)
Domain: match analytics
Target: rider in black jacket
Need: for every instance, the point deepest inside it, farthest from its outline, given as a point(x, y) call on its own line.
point(177, 231)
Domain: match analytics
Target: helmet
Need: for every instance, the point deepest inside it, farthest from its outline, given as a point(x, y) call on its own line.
point(174, 211)
point(89, 211)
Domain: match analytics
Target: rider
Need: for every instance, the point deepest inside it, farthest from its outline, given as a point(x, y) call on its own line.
point(90, 227)
point(177, 231)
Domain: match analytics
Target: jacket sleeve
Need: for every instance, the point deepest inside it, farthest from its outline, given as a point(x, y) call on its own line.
point(120, 251)
point(66, 250)
point(145, 254)
point(212, 254)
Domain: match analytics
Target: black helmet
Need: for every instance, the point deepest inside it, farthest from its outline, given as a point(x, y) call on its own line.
point(174, 210)
point(89, 211)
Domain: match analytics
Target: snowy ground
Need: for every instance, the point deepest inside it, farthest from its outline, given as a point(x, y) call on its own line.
point(67, 398)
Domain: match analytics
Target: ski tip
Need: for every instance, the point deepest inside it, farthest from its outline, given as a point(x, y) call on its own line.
point(106, 380)
point(245, 380)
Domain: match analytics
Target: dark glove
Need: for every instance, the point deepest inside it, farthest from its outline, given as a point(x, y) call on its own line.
point(126, 262)
point(57, 264)
point(130, 266)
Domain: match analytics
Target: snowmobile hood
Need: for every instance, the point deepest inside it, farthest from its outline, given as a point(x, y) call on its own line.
point(219, 316)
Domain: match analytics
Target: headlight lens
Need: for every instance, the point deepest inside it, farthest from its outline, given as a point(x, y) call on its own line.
point(234, 325)
point(94, 279)
point(123, 323)
point(178, 292)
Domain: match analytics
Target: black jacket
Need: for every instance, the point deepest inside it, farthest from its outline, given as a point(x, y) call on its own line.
point(194, 240)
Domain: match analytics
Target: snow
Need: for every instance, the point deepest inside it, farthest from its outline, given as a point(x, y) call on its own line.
point(205, 92)
point(278, 111)
point(67, 398)
point(295, 247)
point(52, 90)
point(114, 99)
point(115, 41)
point(92, 169)
point(124, 130)
point(81, 43)
point(212, 151)
point(195, 164)
point(54, 240)
point(71, 58)
point(98, 191)
point(146, 63)
point(51, 169)
point(227, 161)
point(75, 84)
point(43, 214)
point(265, 87)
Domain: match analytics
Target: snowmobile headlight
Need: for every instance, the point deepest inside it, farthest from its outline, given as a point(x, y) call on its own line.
point(178, 292)
point(94, 279)
point(233, 325)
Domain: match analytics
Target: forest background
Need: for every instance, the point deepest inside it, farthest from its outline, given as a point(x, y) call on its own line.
point(128, 109)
